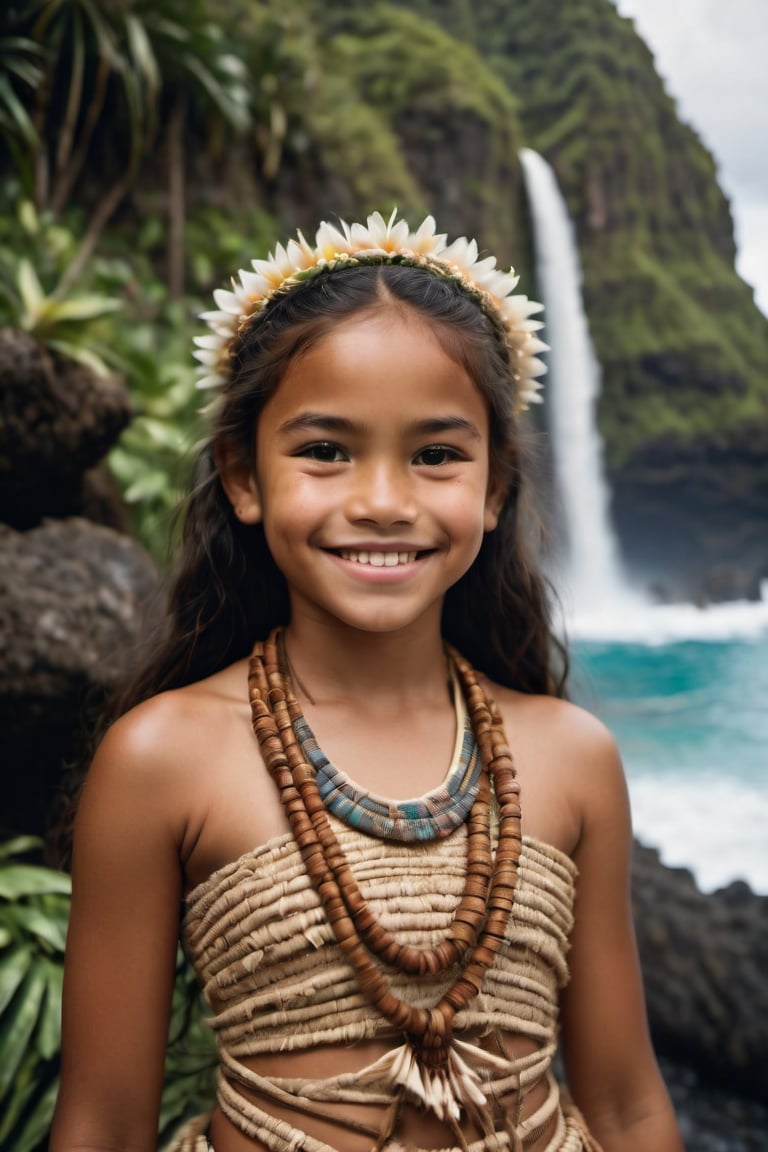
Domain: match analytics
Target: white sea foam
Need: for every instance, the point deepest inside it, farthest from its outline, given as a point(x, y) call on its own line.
point(630, 621)
point(713, 825)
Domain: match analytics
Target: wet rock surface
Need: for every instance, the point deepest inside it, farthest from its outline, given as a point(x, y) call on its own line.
point(57, 420)
point(705, 959)
point(712, 1118)
point(73, 590)
point(73, 596)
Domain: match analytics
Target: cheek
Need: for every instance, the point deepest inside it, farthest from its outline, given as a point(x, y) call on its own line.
point(291, 510)
point(464, 511)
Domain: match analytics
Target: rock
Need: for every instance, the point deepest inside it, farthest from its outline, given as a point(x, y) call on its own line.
point(712, 1119)
point(704, 959)
point(694, 519)
point(72, 599)
point(102, 501)
point(57, 419)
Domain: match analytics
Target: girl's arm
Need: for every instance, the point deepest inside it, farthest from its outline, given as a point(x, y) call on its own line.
point(610, 1065)
point(121, 946)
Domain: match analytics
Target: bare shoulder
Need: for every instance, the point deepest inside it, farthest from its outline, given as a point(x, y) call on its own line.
point(172, 728)
point(163, 749)
point(562, 721)
point(568, 764)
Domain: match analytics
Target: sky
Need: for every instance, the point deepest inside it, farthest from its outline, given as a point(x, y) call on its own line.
point(713, 58)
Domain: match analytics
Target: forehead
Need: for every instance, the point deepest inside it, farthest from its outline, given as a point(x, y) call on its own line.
point(391, 362)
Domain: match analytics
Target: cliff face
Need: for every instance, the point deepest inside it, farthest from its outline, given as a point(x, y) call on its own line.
point(684, 350)
point(386, 108)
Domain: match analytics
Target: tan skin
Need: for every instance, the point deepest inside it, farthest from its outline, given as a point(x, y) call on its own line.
point(178, 788)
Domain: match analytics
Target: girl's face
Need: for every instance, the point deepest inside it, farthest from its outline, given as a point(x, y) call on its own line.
point(372, 475)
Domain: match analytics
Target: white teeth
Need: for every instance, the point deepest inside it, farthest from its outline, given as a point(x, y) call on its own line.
point(379, 559)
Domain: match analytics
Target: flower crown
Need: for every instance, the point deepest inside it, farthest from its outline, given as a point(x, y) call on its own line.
point(380, 242)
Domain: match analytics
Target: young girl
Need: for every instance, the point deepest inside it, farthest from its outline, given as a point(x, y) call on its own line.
point(382, 971)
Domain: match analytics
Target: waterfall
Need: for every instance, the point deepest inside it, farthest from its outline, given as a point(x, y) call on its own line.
point(592, 569)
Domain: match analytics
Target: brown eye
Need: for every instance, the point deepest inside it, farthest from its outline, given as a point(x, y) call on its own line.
point(324, 451)
point(435, 455)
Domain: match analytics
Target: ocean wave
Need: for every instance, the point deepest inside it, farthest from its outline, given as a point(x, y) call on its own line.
point(631, 620)
point(713, 825)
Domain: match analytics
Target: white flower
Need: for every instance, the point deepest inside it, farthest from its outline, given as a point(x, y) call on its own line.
point(377, 241)
point(425, 240)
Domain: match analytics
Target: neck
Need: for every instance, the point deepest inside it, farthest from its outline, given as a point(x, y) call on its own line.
point(332, 662)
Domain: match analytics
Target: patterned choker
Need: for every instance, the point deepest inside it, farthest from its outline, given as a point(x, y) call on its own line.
point(427, 1069)
point(428, 817)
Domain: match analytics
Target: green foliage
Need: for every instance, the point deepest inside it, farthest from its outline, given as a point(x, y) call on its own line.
point(152, 349)
point(122, 321)
point(403, 63)
point(109, 66)
point(190, 1065)
point(190, 53)
point(22, 67)
point(33, 260)
point(448, 122)
point(154, 353)
point(34, 913)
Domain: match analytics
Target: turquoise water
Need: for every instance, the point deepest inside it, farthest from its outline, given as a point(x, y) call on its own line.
point(691, 720)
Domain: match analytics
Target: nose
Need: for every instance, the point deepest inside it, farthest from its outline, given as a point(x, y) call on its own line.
point(382, 492)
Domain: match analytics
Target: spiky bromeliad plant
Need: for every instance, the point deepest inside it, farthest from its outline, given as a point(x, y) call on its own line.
point(35, 255)
point(34, 912)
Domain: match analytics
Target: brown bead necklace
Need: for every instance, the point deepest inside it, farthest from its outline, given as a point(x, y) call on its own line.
point(431, 1071)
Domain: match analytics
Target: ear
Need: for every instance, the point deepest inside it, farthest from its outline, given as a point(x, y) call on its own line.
point(494, 502)
point(239, 483)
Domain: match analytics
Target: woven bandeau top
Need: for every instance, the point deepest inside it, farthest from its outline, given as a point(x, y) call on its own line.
point(276, 980)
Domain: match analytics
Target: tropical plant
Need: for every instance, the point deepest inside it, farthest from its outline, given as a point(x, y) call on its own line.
point(98, 66)
point(34, 911)
point(190, 1066)
point(83, 81)
point(205, 88)
point(22, 67)
point(34, 914)
point(122, 321)
point(149, 461)
point(153, 352)
point(31, 295)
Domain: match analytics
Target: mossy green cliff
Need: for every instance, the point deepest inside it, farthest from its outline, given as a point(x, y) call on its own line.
point(683, 348)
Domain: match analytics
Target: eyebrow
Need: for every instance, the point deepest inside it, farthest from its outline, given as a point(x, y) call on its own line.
point(433, 426)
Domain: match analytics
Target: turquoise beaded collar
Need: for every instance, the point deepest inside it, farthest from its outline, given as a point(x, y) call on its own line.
point(428, 817)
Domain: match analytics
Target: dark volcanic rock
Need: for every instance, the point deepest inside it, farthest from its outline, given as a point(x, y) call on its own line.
point(693, 521)
point(72, 599)
point(704, 961)
point(712, 1119)
point(57, 419)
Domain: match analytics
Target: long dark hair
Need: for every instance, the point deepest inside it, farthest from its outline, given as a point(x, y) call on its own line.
point(227, 590)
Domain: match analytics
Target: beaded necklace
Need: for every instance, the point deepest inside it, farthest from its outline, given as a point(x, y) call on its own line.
point(428, 1067)
point(436, 814)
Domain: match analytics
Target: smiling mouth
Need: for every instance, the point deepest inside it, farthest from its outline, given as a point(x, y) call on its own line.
point(378, 559)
